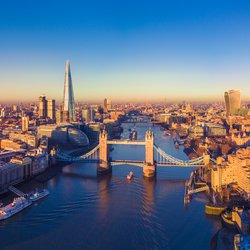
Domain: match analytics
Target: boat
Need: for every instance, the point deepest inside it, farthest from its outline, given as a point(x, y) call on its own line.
point(133, 135)
point(214, 209)
point(181, 141)
point(130, 175)
point(38, 195)
point(176, 144)
point(167, 133)
point(16, 206)
point(187, 199)
point(227, 220)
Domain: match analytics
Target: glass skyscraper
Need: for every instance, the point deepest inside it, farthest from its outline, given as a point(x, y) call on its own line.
point(232, 101)
point(68, 96)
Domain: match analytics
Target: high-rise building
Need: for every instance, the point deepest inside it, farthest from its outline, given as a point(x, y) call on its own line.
point(232, 101)
point(42, 106)
point(3, 113)
point(107, 105)
point(15, 108)
point(59, 116)
point(68, 96)
point(88, 115)
point(25, 123)
point(51, 111)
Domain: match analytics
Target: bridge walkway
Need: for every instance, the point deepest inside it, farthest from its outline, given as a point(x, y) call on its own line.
point(16, 191)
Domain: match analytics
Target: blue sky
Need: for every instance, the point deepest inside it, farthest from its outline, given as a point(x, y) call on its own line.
point(125, 50)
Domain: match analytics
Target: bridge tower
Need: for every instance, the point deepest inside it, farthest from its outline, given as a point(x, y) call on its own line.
point(149, 164)
point(206, 158)
point(104, 165)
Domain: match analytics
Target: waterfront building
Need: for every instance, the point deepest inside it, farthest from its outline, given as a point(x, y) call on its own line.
point(25, 163)
point(68, 96)
point(6, 156)
point(10, 174)
point(65, 135)
point(25, 123)
point(42, 106)
point(51, 112)
point(234, 170)
point(40, 162)
point(21, 166)
point(232, 101)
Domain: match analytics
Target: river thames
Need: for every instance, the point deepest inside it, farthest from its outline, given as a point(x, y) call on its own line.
point(84, 211)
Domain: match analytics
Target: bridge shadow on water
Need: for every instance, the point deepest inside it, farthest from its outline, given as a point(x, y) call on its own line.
point(116, 175)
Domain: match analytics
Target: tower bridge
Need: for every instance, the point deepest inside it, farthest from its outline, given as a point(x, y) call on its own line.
point(154, 156)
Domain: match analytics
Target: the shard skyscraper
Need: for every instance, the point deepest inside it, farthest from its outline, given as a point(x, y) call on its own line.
point(68, 96)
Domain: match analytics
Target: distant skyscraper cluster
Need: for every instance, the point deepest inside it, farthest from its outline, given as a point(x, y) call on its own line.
point(47, 108)
point(232, 101)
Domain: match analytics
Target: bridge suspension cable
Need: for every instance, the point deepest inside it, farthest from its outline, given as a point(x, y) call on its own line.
point(92, 154)
point(164, 158)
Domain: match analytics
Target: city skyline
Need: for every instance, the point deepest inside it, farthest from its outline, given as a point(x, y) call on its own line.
point(142, 141)
point(174, 51)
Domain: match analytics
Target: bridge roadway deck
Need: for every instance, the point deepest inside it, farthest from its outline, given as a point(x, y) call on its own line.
point(158, 164)
point(173, 164)
point(126, 142)
point(121, 162)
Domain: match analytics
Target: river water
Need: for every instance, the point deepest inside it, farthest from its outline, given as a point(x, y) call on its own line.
point(84, 211)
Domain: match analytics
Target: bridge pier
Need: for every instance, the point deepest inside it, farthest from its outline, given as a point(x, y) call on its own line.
point(104, 168)
point(149, 170)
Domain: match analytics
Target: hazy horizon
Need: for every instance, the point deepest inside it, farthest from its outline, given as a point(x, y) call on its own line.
point(138, 51)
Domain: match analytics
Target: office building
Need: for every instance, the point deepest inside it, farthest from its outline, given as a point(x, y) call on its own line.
point(107, 105)
point(51, 109)
point(25, 123)
point(68, 97)
point(232, 101)
point(42, 106)
point(88, 115)
point(59, 116)
point(3, 113)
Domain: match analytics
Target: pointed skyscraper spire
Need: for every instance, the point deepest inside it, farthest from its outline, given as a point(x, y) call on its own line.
point(68, 96)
